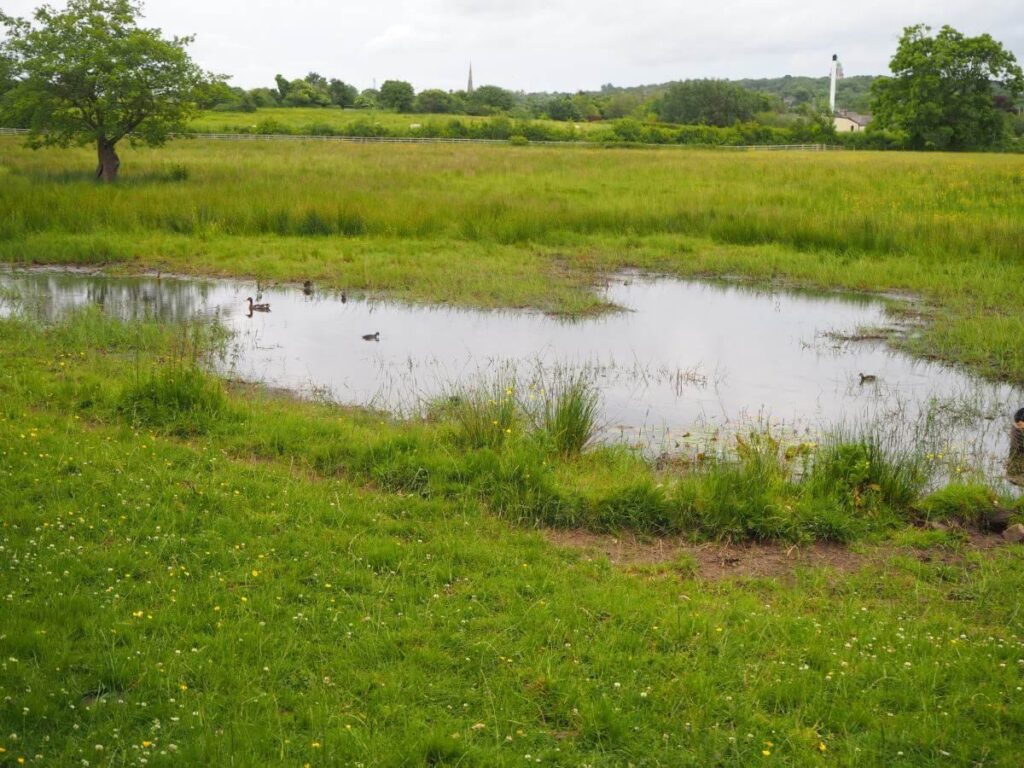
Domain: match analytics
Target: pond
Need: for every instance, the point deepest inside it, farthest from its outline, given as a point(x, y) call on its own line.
point(683, 363)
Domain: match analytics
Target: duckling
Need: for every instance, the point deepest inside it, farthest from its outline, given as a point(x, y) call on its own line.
point(867, 378)
point(371, 336)
point(257, 307)
point(307, 287)
point(344, 298)
point(1018, 419)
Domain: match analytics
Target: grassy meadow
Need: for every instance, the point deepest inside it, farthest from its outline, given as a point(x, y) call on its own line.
point(202, 573)
point(295, 118)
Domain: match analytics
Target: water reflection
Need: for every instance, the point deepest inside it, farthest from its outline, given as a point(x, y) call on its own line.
point(686, 359)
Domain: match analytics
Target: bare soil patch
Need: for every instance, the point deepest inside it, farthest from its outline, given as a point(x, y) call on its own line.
point(715, 561)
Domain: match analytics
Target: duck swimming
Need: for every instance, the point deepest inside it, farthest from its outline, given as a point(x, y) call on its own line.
point(867, 378)
point(371, 336)
point(257, 307)
point(307, 287)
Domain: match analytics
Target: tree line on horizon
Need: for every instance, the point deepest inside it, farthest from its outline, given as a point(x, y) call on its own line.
point(700, 101)
point(89, 74)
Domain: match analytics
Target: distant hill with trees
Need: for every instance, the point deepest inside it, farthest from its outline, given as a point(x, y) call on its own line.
point(704, 102)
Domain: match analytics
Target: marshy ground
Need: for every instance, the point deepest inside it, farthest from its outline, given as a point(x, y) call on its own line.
point(193, 573)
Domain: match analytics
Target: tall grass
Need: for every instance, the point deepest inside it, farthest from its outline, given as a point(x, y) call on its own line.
point(568, 413)
point(488, 414)
point(845, 203)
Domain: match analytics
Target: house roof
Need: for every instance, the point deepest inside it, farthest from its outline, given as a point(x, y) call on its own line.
point(854, 117)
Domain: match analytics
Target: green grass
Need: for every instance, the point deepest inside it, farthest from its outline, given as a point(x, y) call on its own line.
point(569, 412)
point(237, 595)
point(199, 575)
point(302, 119)
point(507, 226)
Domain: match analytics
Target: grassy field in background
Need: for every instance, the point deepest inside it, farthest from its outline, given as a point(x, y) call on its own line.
point(298, 118)
point(532, 226)
point(194, 573)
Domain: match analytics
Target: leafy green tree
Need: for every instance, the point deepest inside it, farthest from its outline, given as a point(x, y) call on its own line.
point(265, 97)
point(90, 75)
point(368, 99)
point(621, 105)
point(488, 99)
point(304, 94)
point(710, 102)
point(316, 80)
point(434, 101)
point(6, 74)
point(561, 108)
point(585, 107)
point(342, 94)
point(216, 93)
point(397, 95)
point(941, 92)
point(283, 85)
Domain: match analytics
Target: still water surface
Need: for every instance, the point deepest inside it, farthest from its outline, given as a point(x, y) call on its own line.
point(683, 360)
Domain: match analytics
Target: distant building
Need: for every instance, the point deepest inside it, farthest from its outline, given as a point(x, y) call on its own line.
point(847, 122)
point(469, 85)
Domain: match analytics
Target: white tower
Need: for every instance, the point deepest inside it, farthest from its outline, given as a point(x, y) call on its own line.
point(836, 74)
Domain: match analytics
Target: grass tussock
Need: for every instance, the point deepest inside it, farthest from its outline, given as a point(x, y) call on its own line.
point(568, 413)
point(184, 400)
point(964, 503)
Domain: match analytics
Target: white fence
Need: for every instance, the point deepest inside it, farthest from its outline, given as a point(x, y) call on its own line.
point(438, 140)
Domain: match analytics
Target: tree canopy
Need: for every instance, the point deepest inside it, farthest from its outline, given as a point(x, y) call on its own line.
point(710, 102)
point(397, 95)
point(342, 94)
point(941, 93)
point(90, 74)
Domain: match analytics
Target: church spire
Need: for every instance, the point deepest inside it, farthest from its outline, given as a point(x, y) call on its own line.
point(469, 85)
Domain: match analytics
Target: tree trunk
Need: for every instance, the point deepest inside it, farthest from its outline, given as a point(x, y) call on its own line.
point(109, 161)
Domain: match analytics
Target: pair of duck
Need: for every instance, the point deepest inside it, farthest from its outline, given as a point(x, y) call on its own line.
point(254, 307)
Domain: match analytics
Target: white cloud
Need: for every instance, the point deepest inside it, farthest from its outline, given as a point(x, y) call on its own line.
point(556, 44)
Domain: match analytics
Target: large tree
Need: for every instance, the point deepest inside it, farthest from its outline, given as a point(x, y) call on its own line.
point(434, 101)
point(941, 92)
point(710, 102)
point(90, 75)
point(342, 94)
point(397, 95)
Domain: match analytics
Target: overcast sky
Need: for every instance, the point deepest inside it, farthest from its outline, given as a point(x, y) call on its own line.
point(543, 45)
